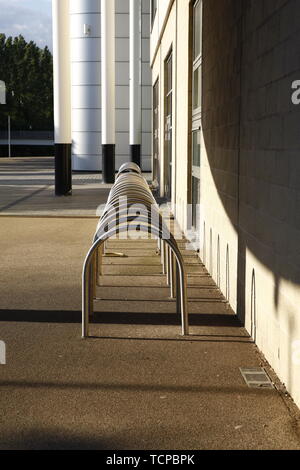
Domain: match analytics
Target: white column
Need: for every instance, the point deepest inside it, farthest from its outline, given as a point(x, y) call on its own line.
point(61, 71)
point(108, 85)
point(62, 95)
point(85, 26)
point(135, 80)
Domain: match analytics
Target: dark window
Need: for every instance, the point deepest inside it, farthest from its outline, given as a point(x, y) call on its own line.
point(196, 110)
point(168, 125)
point(156, 166)
point(153, 10)
point(197, 55)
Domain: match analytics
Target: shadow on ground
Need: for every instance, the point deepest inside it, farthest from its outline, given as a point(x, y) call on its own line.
point(31, 316)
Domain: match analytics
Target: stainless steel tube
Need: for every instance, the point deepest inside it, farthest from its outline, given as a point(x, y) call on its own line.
point(131, 191)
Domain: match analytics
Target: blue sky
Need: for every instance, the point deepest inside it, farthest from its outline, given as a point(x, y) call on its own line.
point(31, 18)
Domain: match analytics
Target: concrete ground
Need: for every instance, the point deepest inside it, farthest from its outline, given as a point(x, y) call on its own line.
point(136, 384)
point(27, 188)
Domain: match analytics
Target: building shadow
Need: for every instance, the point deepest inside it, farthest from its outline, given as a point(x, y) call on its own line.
point(261, 214)
point(56, 439)
point(118, 318)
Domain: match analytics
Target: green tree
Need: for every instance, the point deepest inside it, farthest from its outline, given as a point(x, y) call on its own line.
point(27, 71)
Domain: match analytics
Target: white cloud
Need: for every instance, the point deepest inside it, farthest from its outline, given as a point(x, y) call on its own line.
point(20, 27)
point(31, 18)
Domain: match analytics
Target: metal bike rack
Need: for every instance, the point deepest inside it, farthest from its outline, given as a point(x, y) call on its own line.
point(132, 190)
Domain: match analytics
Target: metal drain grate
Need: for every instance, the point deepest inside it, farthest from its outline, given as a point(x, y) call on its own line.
point(256, 377)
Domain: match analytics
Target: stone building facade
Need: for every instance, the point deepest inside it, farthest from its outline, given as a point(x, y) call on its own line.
point(227, 141)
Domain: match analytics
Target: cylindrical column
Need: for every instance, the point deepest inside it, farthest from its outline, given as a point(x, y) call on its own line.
point(85, 36)
point(135, 81)
point(62, 97)
point(108, 89)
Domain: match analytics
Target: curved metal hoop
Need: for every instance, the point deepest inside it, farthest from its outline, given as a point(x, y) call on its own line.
point(87, 275)
point(130, 190)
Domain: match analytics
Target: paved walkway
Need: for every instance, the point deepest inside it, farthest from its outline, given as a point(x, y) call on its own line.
point(27, 189)
point(137, 384)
